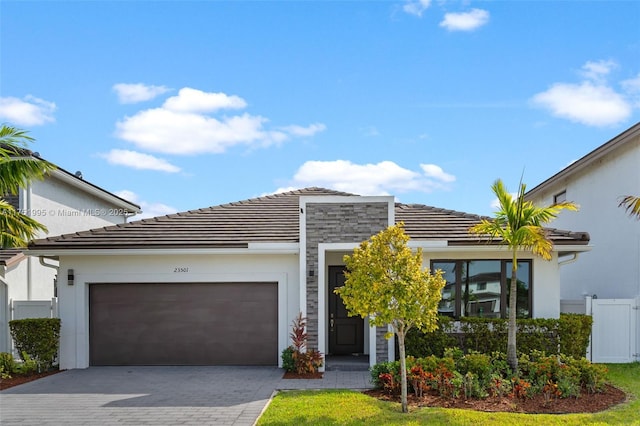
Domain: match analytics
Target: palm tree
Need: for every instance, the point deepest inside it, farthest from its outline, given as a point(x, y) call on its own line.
point(518, 225)
point(632, 205)
point(18, 167)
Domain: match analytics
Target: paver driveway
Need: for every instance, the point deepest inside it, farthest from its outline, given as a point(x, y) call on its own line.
point(155, 395)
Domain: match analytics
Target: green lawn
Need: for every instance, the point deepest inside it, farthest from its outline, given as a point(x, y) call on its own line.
point(353, 408)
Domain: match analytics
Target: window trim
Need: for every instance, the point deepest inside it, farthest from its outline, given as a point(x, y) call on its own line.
point(505, 275)
point(560, 197)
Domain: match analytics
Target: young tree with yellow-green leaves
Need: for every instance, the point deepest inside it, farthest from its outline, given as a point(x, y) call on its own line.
point(385, 281)
point(18, 167)
point(518, 225)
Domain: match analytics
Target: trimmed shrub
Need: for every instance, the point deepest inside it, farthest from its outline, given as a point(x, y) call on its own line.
point(567, 335)
point(483, 335)
point(7, 365)
point(37, 339)
point(421, 344)
point(28, 366)
point(381, 368)
point(574, 331)
point(288, 364)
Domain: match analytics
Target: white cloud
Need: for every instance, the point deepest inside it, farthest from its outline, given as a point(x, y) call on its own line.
point(193, 100)
point(383, 178)
point(632, 89)
point(598, 71)
point(436, 172)
point(138, 160)
point(593, 101)
point(148, 209)
point(29, 111)
point(181, 126)
point(632, 85)
point(138, 92)
point(416, 7)
point(465, 21)
point(310, 130)
point(586, 103)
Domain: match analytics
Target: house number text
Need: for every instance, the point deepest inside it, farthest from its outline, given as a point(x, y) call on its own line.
point(181, 269)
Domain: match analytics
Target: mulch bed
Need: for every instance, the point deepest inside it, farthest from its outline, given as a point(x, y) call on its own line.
point(585, 403)
point(17, 379)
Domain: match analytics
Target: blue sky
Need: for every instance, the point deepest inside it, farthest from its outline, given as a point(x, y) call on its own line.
point(184, 105)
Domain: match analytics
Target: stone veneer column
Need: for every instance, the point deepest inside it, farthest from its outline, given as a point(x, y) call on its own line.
point(339, 223)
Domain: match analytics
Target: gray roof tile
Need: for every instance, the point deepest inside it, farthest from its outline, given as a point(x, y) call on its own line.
point(272, 218)
point(9, 256)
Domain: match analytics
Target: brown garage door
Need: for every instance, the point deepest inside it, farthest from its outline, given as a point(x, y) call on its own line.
point(183, 324)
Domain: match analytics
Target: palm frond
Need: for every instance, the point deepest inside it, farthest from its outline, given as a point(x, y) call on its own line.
point(13, 136)
point(17, 172)
point(17, 165)
point(16, 229)
point(631, 205)
point(518, 223)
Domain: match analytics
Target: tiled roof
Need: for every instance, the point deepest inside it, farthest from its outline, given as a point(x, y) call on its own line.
point(9, 256)
point(431, 223)
point(272, 218)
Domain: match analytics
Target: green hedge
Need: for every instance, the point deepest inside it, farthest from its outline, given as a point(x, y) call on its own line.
point(37, 339)
point(568, 335)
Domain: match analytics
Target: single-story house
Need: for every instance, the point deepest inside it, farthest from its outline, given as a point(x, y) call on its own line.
point(221, 285)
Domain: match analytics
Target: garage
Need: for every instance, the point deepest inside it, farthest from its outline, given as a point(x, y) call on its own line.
point(183, 323)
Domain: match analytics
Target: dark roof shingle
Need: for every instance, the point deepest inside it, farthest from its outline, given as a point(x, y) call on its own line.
point(272, 218)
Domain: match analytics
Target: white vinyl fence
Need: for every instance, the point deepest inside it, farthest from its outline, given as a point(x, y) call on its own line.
point(22, 309)
point(616, 328)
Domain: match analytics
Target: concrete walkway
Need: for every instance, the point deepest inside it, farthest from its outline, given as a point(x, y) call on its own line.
point(157, 395)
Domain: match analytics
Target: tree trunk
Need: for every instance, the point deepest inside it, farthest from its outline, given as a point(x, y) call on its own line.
point(512, 357)
point(403, 372)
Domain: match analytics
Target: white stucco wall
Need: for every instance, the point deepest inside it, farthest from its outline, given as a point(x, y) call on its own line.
point(64, 208)
point(612, 269)
point(74, 304)
point(282, 268)
point(14, 274)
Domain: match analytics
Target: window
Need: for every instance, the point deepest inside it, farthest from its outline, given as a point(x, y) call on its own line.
point(480, 288)
point(13, 200)
point(560, 197)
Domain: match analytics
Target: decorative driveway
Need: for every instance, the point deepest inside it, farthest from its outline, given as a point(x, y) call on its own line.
point(157, 395)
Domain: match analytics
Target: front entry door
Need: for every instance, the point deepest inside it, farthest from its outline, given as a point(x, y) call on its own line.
point(346, 334)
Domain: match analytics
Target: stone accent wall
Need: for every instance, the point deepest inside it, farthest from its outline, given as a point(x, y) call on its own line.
point(337, 223)
point(382, 344)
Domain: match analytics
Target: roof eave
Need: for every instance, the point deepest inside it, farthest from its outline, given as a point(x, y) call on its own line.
point(250, 248)
point(587, 160)
point(95, 190)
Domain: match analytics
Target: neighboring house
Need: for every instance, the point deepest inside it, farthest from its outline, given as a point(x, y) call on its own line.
point(221, 285)
point(596, 182)
point(64, 203)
